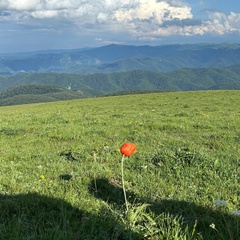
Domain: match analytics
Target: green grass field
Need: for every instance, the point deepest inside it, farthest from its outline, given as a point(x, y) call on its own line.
point(60, 174)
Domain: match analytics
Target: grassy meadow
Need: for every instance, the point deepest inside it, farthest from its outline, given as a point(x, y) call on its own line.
point(60, 174)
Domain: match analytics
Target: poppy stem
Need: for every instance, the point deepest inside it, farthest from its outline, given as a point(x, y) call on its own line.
point(123, 186)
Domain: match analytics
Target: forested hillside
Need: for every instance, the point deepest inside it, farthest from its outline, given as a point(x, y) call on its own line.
point(42, 87)
point(99, 84)
point(37, 93)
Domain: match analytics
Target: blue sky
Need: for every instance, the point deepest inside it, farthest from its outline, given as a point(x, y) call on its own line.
point(30, 25)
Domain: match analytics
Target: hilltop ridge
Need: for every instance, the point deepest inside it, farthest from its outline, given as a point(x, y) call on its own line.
point(120, 58)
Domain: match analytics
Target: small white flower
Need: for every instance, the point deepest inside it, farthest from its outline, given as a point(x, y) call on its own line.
point(236, 212)
point(212, 226)
point(220, 203)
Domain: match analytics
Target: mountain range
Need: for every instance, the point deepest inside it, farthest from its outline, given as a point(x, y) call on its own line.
point(122, 58)
point(117, 69)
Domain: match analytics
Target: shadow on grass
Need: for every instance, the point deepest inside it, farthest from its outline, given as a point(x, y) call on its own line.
point(227, 225)
point(32, 216)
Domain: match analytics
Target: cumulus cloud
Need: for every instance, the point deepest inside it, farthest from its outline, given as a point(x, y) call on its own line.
point(222, 23)
point(143, 19)
point(158, 11)
point(19, 5)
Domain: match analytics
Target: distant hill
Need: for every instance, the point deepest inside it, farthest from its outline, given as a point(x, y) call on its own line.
point(122, 58)
point(37, 93)
point(39, 87)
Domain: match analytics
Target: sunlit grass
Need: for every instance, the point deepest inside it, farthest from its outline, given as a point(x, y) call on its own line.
point(61, 161)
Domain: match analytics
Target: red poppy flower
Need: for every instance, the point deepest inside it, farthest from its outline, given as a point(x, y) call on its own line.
point(128, 149)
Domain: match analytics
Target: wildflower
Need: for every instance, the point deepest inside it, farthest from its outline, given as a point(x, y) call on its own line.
point(128, 149)
point(42, 177)
point(236, 212)
point(212, 226)
point(220, 203)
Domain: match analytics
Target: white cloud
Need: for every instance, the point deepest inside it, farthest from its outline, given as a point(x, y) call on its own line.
point(34, 5)
point(127, 9)
point(143, 19)
point(224, 23)
point(234, 20)
point(152, 10)
point(45, 14)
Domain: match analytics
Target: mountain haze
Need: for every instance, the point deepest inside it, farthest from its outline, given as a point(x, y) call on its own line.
point(121, 58)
